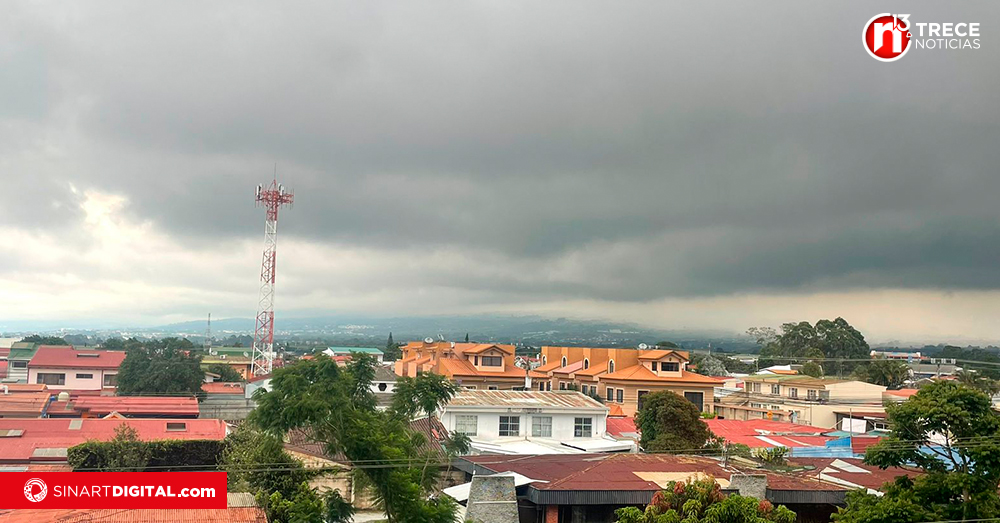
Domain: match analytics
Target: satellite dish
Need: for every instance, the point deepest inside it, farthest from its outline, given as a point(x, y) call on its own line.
point(643, 346)
point(428, 340)
point(245, 355)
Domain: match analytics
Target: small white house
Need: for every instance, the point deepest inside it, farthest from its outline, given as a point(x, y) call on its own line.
point(530, 422)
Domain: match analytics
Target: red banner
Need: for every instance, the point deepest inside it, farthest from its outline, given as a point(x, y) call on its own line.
point(122, 490)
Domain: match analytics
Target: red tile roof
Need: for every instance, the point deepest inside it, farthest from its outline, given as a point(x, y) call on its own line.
point(69, 358)
point(222, 388)
point(594, 370)
point(23, 404)
point(483, 347)
point(902, 393)
point(52, 433)
point(166, 406)
point(25, 387)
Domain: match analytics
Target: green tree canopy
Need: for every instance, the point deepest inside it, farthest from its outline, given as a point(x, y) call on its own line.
point(336, 405)
point(884, 372)
point(708, 365)
point(669, 422)
point(948, 430)
point(811, 368)
point(703, 501)
point(160, 367)
point(226, 373)
point(45, 340)
point(834, 339)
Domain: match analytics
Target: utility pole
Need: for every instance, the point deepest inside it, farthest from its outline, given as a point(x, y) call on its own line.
point(271, 197)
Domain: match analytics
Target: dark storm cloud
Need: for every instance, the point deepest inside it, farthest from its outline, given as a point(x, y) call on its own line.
point(683, 149)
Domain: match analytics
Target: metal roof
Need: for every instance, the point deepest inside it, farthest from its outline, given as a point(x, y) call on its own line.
point(524, 399)
point(69, 358)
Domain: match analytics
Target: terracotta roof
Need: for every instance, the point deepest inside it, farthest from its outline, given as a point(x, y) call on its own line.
point(569, 369)
point(25, 387)
point(594, 370)
point(549, 366)
point(47, 439)
point(49, 356)
point(784, 372)
point(242, 509)
point(460, 367)
point(23, 404)
point(903, 393)
point(657, 354)
point(641, 373)
point(483, 347)
point(622, 428)
point(761, 433)
point(536, 374)
point(160, 406)
point(218, 387)
point(524, 399)
point(615, 410)
point(3, 369)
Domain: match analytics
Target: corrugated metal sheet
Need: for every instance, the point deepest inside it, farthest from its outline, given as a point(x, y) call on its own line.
point(524, 399)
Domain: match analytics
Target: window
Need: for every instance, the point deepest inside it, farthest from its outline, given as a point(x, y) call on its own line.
point(698, 398)
point(19, 364)
point(639, 396)
point(176, 426)
point(510, 425)
point(475, 360)
point(548, 386)
point(84, 376)
point(670, 366)
point(51, 379)
point(793, 392)
point(755, 386)
point(611, 394)
point(541, 385)
point(492, 361)
point(583, 427)
point(382, 387)
point(756, 405)
point(653, 366)
point(467, 424)
point(564, 361)
point(611, 366)
point(775, 389)
point(492, 387)
point(110, 380)
point(562, 386)
point(621, 395)
point(541, 426)
point(812, 394)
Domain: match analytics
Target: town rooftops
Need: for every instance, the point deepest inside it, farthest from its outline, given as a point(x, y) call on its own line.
point(797, 379)
point(657, 354)
point(219, 387)
point(483, 347)
point(50, 356)
point(385, 373)
point(456, 367)
point(569, 369)
point(131, 406)
point(850, 472)
point(506, 399)
point(31, 440)
point(241, 508)
point(23, 405)
point(332, 351)
point(761, 433)
point(902, 393)
point(641, 373)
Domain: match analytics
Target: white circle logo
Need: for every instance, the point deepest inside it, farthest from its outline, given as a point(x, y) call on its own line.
point(30, 485)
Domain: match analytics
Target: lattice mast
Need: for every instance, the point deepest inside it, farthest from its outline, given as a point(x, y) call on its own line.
point(271, 198)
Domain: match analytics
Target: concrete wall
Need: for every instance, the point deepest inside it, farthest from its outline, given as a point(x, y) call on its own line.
point(72, 381)
point(488, 423)
point(630, 404)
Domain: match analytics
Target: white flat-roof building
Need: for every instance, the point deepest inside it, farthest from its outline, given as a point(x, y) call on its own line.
point(530, 422)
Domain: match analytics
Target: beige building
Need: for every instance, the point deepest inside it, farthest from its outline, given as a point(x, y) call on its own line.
point(483, 366)
point(801, 399)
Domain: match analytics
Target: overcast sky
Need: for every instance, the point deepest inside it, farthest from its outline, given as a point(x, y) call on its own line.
point(682, 165)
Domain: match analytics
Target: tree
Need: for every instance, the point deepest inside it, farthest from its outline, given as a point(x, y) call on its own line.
point(703, 501)
point(949, 431)
point(708, 365)
point(45, 340)
point(336, 405)
point(978, 381)
point(884, 372)
point(667, 345)
point(828, 339)
point(466, 337)
point(424, 393)
point(226, 373)
point(392, 351)
point(669, 422)
point(126, 452)
point(811, 368)
point(160, 367)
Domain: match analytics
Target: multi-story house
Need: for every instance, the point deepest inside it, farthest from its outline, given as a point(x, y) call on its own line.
point(530, 422)
point(17, 361)
point(485, 366)
point(623, 376)
point(66, 368)
point(801, 399)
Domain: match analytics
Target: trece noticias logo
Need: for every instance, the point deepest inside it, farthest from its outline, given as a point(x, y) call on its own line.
point(888, 37)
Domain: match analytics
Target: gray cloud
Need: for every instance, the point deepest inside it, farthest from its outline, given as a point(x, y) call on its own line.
point(613, 152)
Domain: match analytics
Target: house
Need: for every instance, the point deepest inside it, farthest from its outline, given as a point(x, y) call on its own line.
point(347, 351)
point(240, 359)
point(29, 441)
point(483, 366)
point(88, 406)
point(799, 399)
point(241, 508)
point(225, 401)
point(590, 487)
point(66, 368)
point(17, 361)
point(530, 422)
point(623, 376)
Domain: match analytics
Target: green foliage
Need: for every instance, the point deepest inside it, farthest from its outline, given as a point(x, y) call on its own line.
point(707, 365)
point(160, 367)
point(255, 460)
point(884, 372)
point(827, 339)
point(338, 509)
point(703, 501)
point(226, 373)
point(302, 505)
point(45, 340)
point(811, 368)
point(962, 474)
point(392, 351)
point(336, 405)
point(150, 456)
point(667, 345)
point(425, 393)
point(669, 422)
point(979, 381)
point(772, 455)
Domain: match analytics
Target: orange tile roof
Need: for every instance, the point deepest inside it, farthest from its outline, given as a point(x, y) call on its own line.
point(483, 347)
point(23, 403)
point(594, 370)
point(456, 367)
point(661, 353)
point(615, 410)
point(569, 369)
point(641, 373)
point(549, 366)
point(536, 374)
point(785, 372)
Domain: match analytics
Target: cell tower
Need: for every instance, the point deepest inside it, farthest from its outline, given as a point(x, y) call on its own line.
point(271, 197)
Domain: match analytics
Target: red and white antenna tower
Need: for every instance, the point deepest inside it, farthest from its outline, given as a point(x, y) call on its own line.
point(271, 197)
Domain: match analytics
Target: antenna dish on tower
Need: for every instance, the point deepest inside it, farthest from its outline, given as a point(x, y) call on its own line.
point(643, 346)
point(428, 340)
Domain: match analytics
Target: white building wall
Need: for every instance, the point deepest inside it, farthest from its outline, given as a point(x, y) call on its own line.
point(563, 424)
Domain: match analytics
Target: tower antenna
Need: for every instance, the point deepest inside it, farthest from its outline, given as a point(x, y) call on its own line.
point(271, 198)
point(208, 334)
